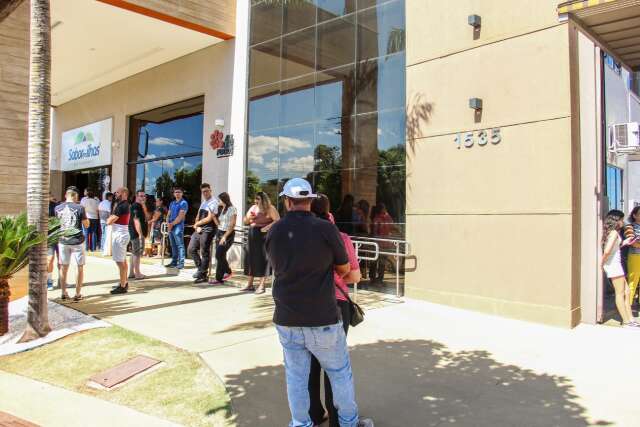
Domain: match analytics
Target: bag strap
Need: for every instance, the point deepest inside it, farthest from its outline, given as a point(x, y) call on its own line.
point(346, 295)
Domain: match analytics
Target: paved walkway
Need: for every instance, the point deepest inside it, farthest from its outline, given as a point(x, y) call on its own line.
point(415, 363)
point(51, 406)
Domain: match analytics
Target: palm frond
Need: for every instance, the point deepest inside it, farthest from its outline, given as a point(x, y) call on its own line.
point(17, 237)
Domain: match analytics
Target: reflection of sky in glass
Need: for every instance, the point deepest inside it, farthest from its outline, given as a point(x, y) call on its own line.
point(390, 17)
point(391, 129)
point(174, 137)
point(391, 81)
point(263, 112)
point(297, 106)
point(296, 151)
point(263, 154)
point(329, 100)
point(335, 7)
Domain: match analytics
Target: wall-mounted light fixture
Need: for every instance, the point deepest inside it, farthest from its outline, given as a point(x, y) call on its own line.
point(475, 21)
point(219, 123)
point(475, 103)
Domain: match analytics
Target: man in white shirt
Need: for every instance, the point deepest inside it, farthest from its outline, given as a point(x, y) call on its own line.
point(204, 232)
point(90, 204)
point(104, 211)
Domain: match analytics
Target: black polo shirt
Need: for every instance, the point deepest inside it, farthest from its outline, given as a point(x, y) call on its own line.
point(303, 251)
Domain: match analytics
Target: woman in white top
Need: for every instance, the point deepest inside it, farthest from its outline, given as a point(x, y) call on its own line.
point(226, 222)
point(90, 203)
point(612, 264)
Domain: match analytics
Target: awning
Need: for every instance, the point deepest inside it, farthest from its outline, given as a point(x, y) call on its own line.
point(616, 23)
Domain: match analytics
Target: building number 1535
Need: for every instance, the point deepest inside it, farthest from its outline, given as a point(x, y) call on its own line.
point(482, 138)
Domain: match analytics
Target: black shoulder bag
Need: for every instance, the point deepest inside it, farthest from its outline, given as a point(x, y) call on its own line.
point(357, 313)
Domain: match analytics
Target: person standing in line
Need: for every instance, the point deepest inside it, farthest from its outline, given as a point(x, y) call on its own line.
point(177, 213)
point(91, 205)
point(52, 250)
point(204, 232)
point(260, 218)
point(72, 216)
point(381, 227)
point(158, 218)
point(304, 251)
point(104, 212)
point(119, 221)
point(226, 222)
point(612, 264)
point(137, 232)
point(321, 209)
point(149, 212)
point(632, 229)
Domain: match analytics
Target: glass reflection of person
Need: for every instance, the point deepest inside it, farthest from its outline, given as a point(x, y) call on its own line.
point(611, 263)
point(632, 230)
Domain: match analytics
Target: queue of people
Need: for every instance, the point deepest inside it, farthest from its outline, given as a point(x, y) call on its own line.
point(621, 260)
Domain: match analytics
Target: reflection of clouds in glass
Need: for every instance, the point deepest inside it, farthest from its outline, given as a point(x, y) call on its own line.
point(261, 145)
point(161, 140)
point(331, 132)
point(287, 144)
point(187, 165)
point(300, 165)
point(168, 164)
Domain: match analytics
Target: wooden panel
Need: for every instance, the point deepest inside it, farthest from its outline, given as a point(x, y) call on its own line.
point(7, 420)
point(214, 17)
point(14, 72)
point(124, 371)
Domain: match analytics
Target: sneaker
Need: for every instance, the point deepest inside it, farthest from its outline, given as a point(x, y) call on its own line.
point(201, 280)
point(49, 284)
point(365, 422)
point(631, 325)
point(196, 275)
point(179, 267)
point(170, 265)
point(120, 290)
point(227, 276)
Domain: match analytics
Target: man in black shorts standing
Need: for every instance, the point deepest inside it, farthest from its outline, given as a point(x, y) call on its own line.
point(137, 232)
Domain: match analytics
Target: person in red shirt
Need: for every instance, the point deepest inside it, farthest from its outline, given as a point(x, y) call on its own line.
point(321, 208)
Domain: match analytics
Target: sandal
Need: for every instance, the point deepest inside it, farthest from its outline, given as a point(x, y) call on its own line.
point(64, 297)
point(78, 298)
point(260, 290)
point(247, 288)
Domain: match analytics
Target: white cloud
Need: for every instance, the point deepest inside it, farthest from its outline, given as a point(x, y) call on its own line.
point(169, 163)
point(288, 144)
point(300, 165)
point(166, 141)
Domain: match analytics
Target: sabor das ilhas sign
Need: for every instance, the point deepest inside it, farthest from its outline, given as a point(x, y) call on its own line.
point(221, 143)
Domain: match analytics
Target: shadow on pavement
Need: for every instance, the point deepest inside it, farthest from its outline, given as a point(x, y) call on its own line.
point(423, 383)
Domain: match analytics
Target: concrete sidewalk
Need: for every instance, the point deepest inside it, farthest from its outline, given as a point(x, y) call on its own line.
point(51, 406)
point(415, 363)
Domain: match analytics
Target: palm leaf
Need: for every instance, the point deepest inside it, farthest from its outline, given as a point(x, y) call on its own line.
point(17, 238)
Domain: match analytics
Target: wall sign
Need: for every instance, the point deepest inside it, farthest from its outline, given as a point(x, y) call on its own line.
point(87, 146)
point(481, 137)
point(222, 144)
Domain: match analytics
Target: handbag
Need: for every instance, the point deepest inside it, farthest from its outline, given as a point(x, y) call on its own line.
point(357, 313)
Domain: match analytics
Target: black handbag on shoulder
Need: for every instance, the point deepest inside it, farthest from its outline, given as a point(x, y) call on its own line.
point(357, 313)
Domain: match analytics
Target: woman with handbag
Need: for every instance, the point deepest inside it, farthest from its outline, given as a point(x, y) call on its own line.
point(320, 207)
point(260, 217)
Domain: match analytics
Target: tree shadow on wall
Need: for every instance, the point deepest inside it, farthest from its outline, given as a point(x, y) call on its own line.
point(422, 383)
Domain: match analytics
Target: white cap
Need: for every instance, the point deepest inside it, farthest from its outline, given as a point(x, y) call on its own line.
point(298, 188)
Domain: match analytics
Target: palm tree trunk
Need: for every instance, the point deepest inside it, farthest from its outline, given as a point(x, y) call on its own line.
point(38, 164)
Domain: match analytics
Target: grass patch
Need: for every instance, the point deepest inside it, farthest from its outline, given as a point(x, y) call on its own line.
point(184, 390)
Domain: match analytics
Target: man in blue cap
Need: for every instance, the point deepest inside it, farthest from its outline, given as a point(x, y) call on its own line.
point(304, 251)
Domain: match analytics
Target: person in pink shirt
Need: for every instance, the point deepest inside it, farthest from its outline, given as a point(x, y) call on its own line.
point(320, 207)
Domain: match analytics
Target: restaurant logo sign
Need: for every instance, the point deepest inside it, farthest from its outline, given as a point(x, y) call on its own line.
point(223, 145)
point(87, 146)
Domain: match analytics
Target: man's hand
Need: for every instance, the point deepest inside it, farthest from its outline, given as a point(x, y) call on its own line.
point(198, 230)
point(169, 226)
point(222, 241)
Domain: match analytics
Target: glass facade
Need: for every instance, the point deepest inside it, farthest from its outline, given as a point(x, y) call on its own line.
point(165, 150)
point(327, 103)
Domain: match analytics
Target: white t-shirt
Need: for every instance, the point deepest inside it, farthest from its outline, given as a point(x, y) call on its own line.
point(91, 207)
point(104, 209)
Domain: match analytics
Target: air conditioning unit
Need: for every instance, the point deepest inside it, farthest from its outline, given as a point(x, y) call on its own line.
point(624, 138)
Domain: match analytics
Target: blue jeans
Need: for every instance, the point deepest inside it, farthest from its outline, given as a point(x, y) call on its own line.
point(91, 234)
point(176, 239)
point(329, 345)
point(103, 232)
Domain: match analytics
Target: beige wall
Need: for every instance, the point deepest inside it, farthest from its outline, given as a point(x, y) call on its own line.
point(497, 219)
point(208, 72)
point(14, 94)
